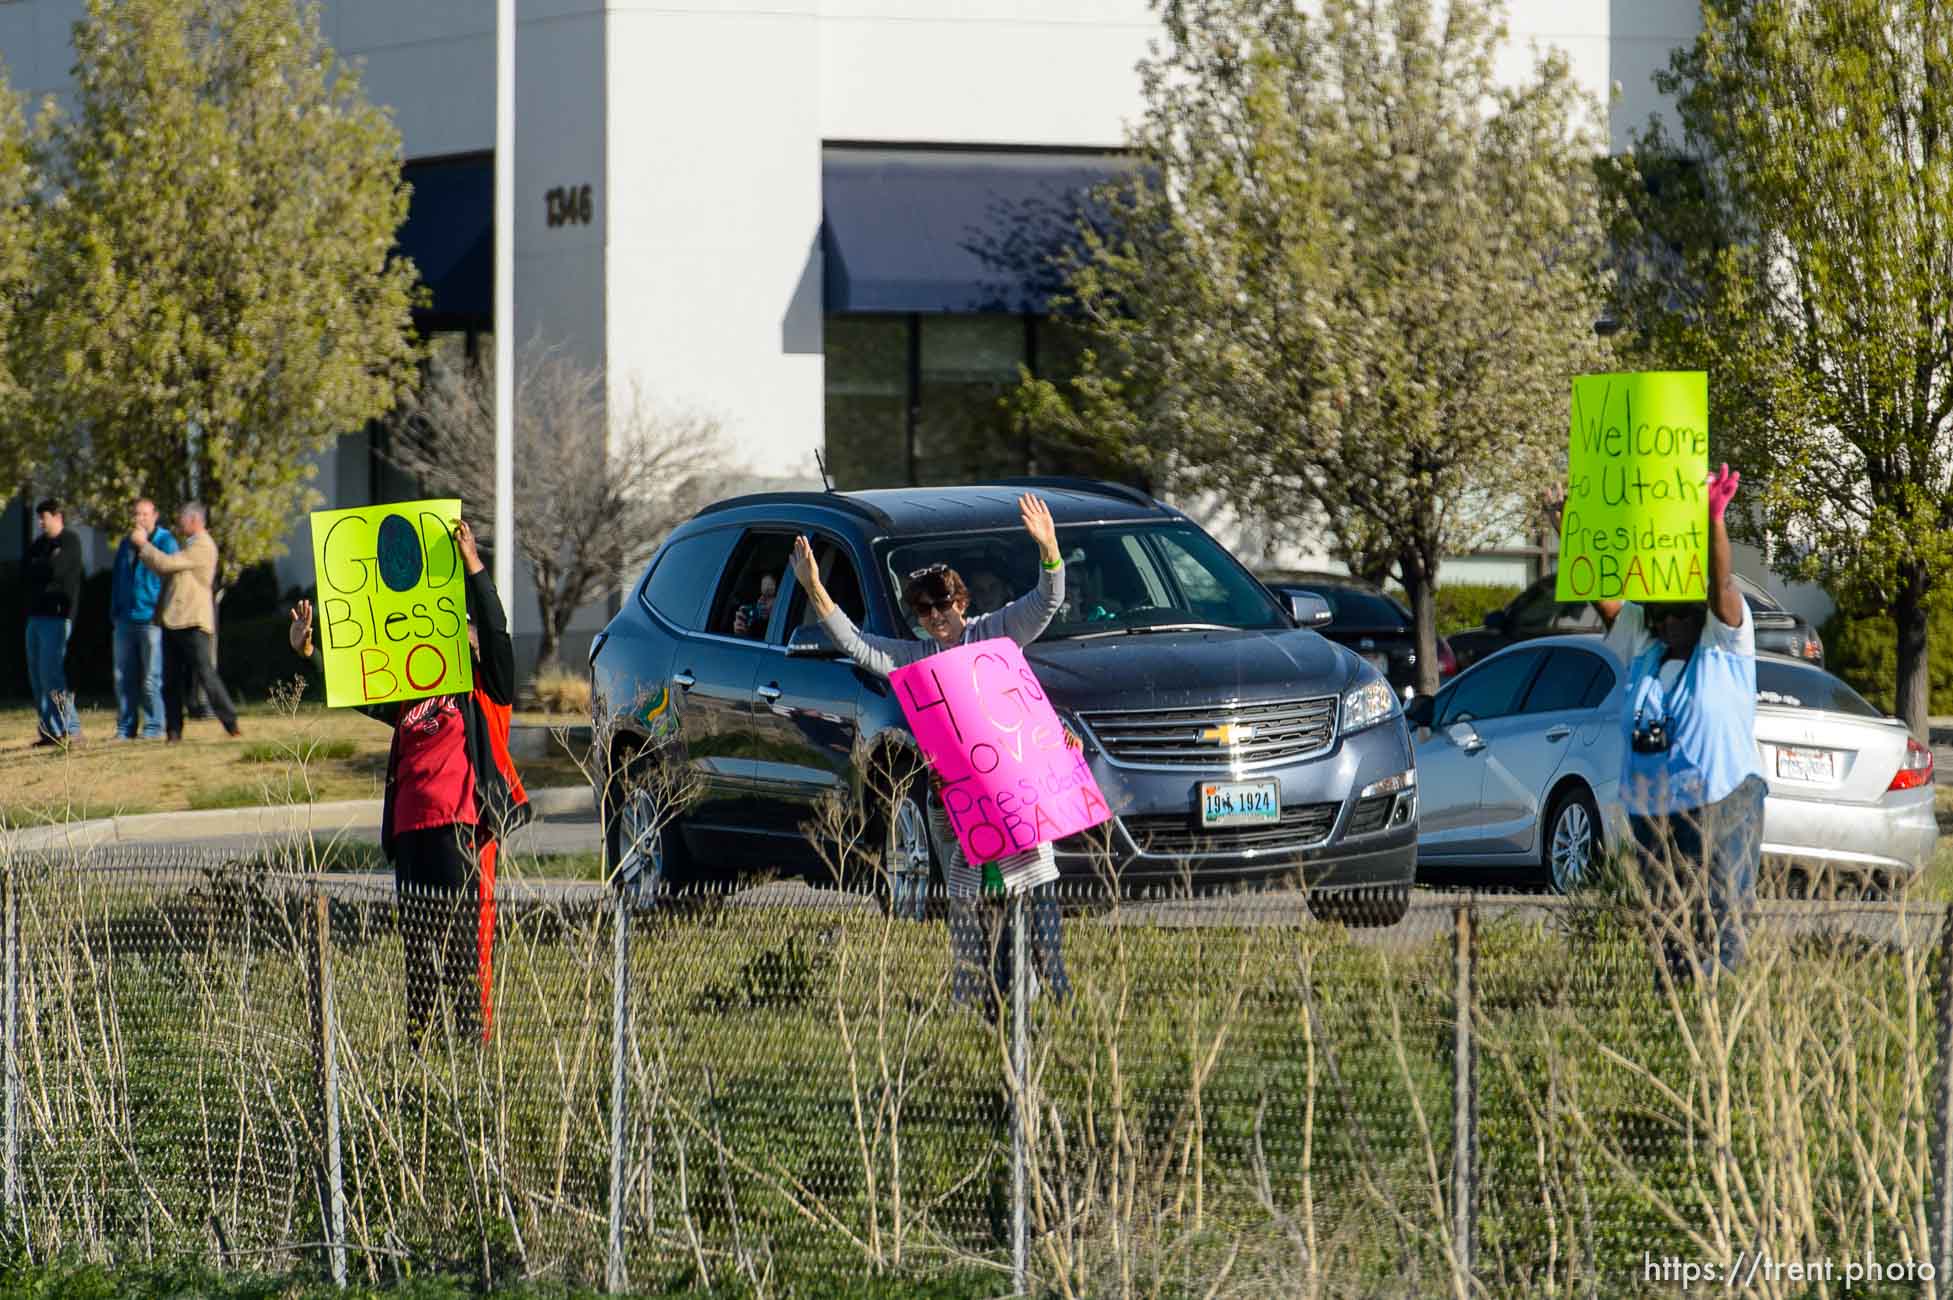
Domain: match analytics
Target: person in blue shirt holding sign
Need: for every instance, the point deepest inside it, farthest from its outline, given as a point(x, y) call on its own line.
point(1690, 778)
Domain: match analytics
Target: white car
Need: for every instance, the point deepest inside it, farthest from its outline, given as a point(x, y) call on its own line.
point(1519, 763)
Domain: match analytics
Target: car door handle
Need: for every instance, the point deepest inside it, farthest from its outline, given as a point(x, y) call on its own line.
point(1558, 733)
point(684, 680)
point(769, 693)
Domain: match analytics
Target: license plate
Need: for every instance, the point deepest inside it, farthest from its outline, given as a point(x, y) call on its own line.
point(1240, 803)
point(1794, 764)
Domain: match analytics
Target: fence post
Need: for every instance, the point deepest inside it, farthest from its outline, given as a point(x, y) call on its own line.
point(615, 1277)
point(1464, 1100)
point(11, 1139)
point(325, 1061)
point(1020, 1008)
point(1940, 1247)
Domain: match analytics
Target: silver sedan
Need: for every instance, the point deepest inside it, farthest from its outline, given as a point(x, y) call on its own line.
point(1519, 764)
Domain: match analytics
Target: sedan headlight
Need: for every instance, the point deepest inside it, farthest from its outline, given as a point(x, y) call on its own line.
point(1368, 704)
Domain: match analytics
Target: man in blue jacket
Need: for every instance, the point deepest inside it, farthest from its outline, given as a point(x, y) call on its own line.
point(138, 637)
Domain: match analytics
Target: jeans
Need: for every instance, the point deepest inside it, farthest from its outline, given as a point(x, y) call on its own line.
point(1701, 868)
point(138, 679)
point(47, 676)
point(186, 661)
point(982, 947)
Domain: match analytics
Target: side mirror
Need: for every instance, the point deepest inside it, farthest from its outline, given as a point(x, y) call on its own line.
point(1421, 711)
point(811, 641)
point(1495, 620)
point(1307, 610)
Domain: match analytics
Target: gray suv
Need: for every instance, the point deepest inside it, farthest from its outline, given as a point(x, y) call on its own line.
point(1232, 743)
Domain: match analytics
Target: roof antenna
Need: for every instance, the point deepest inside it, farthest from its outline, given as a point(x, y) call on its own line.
point(821, 462)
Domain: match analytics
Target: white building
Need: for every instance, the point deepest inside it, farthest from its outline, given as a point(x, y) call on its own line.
point(766, 209)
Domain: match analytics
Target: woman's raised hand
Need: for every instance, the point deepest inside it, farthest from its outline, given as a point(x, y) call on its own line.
point(1037, 522)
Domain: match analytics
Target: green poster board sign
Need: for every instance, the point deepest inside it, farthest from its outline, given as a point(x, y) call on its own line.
point(392, 614)
point(1635, 526)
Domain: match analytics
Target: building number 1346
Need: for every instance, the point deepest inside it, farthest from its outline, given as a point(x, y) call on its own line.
point(568, 205)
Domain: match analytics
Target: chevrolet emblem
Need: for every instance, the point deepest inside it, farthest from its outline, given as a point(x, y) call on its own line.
point(1229, 733)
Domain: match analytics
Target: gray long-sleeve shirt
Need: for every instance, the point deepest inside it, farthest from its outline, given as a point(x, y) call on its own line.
point(1023, 621)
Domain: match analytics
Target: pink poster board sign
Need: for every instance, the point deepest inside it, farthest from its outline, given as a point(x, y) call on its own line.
point(1008, 780)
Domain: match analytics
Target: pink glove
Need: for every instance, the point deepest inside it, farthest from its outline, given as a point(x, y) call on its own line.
point(1722, 490)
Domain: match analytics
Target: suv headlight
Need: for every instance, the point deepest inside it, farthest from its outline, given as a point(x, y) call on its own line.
point(1368, 704)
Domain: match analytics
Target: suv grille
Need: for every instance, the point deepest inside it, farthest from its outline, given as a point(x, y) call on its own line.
point(1281, 729)
point(1174, 833)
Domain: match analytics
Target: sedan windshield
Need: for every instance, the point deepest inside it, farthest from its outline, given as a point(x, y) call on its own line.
point(1119, 578)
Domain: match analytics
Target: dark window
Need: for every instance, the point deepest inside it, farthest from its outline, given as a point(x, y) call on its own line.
point(868, 401)
point(1490, 690)
point(751, 582)
point(683, 575)
point(1795, 686)
point(1565, 681)
point(1597, 689)
point(969, 365)
point(915, 399)
point(842, 583)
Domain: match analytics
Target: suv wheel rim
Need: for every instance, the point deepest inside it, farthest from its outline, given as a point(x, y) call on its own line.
point(907, 861)
point(1573, 845)
point(642, 834)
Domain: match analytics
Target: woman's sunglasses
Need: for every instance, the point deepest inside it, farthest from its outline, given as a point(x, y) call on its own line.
point(924, 608)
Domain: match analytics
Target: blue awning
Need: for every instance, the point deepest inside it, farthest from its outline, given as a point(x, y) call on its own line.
point(450, 232)
point(912, 230)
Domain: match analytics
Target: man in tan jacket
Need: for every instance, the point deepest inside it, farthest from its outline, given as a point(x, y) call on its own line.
point(188, 616)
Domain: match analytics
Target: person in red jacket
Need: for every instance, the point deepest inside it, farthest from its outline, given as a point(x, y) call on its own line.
point(452, 796)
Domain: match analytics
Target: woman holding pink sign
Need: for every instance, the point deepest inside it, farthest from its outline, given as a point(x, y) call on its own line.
point(939, 600)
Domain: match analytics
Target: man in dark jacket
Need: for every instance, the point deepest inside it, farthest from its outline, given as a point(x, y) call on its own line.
point(134, 595)
point(452, 795)
point(52, 578)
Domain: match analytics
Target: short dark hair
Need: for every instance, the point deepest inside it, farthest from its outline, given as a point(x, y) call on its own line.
point(48, 506)
point(938, 584)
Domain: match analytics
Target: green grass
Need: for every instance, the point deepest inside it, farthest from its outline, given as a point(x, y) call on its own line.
point(250, 795)
point(79, 1281)
point(265, 751)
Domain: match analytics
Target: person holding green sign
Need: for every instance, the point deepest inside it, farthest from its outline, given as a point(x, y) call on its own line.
point(1690, 778)
point(452, 795)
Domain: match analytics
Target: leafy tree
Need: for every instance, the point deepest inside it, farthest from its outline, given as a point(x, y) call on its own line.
point(213, 296)
point(1796, 241)
point(18, 177)
point(1351, 281)
point(595, 490)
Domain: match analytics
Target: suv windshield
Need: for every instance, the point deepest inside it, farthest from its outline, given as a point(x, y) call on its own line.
point(1118, 577)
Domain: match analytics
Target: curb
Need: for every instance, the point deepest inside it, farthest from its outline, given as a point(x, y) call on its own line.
point(321, 819)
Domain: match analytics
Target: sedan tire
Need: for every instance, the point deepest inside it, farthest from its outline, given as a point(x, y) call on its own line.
point(1572, 840)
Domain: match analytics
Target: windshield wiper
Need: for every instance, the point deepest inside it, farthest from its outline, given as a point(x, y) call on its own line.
point(1148, 627)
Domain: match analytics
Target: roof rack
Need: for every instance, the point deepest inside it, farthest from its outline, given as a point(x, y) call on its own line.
point(1079, 483)
point(831, 500)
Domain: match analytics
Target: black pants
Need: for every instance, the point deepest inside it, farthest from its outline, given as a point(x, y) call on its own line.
point(1701, 868)
point(981, 944)
point(186, 661)
point(437, 884)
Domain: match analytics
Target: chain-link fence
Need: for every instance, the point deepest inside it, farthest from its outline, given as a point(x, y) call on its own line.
point(1505, 1096)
